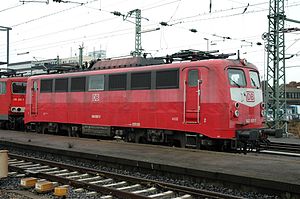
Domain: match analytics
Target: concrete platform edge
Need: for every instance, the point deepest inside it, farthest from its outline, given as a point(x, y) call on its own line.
point(281, 187)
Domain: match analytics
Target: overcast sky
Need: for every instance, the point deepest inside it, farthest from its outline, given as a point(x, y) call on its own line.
point(44, 31)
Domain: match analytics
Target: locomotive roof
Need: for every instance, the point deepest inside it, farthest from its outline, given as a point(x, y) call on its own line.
point(13, 79)
point(218, 64)
point(126, 62)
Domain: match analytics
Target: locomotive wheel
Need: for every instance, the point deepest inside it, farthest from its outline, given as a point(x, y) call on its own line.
point(71, 132)
point(11, 123)
point(38, 128)
point(44, 129)
point(142, 140)
point(131, 137)
point(74, 134)
point(2, 125)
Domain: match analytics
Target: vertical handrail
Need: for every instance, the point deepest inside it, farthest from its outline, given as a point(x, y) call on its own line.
point(30, 111)
point(198, 102)
point(184, 101)
point(36, 101)
point(36, 97)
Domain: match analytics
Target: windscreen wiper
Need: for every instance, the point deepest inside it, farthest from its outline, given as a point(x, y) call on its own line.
point(236, 83)
point(254, 84)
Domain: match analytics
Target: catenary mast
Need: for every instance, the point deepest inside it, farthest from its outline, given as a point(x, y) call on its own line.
point(275, 96)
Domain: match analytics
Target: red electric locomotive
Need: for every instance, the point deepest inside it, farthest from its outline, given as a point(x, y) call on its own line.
point(206, 103)
point(12, 98)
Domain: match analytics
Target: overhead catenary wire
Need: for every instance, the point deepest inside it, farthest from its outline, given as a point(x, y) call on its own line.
point(84, 25)
point(55, 31)
point(148, 8)
point(64, 30)
point(175, 11)
point(183, 21)
point(164, 38)
point(51, 14)
point(9, 8)
point(228, 15)
point(217, 11)
point(70, 41)
point(85, 5)
point(159, 5)
point(89, 38)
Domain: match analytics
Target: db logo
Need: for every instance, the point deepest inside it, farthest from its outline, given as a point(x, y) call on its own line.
point(250, 97)
point(95, 98)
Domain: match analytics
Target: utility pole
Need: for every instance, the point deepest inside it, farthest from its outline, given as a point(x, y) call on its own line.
point(81, 56)
point(57, 61)
point(138, 40)
point(138, 26)
point(275, 97)
point(7, 29)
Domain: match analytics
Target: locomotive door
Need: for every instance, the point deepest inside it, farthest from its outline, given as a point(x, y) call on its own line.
point(34, 91)
point(192, 97)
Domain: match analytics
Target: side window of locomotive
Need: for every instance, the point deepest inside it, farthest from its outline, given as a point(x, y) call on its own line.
point(117, 82)
point(254, 78)
point(167, 79)
point(18, 87)
point(141, 80)
point(96, 83)
point(78, 84)
point(46, 85)
point(2, 88)
point(193, 77)
point(35, 85)
point(61, 85)
point(236, 77)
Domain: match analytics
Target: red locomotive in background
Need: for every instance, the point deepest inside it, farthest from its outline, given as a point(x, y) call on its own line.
point(208, 103)
point(12, 102)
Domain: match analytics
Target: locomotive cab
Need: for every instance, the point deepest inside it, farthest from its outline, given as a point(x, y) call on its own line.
point(247, 107)
point(12, 108)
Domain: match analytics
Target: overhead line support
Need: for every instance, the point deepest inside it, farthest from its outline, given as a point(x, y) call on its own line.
point(7, 29)
point(275, 96)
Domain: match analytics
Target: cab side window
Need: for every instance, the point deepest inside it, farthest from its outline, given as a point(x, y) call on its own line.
point(193, 78)
point(2, 88)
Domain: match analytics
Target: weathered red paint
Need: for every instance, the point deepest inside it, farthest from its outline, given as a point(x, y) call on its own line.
point(154, 109)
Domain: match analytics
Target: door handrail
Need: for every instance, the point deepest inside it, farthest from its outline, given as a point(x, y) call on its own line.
point(184, 102)
point(198, 102)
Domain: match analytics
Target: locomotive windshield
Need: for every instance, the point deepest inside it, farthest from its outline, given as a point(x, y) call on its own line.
point(236, 77)
point(19, 87)
point(254, 79)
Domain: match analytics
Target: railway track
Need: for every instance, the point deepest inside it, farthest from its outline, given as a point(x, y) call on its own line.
point(106, 184)
point(283, 148)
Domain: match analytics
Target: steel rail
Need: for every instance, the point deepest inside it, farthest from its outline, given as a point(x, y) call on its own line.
point(111, 191)
point(284, 147)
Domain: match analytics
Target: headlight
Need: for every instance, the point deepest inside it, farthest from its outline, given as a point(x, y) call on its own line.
point(262, 113)
point(236, 105)
point(236, 113)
